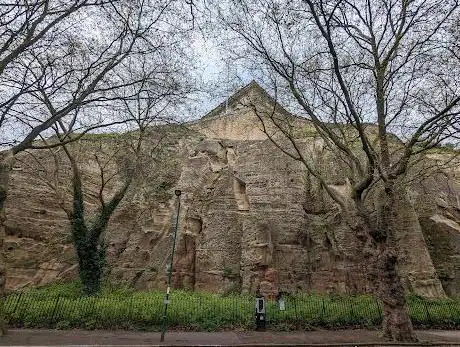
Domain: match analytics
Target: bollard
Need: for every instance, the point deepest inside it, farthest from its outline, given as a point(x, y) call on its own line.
point(260, 313)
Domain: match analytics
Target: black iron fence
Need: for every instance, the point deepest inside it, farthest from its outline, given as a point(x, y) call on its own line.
point(213, 312)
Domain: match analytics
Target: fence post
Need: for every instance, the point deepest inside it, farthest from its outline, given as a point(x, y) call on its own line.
point(352, 312)
point(369, 313)
point(54, 309)
point(379, 309)
point(295, 312)
point(451, 313)
point(26, 303)
point(130, 310)
point(17, 302)
point(323, 311)
point(234, 310)
point(427, 312)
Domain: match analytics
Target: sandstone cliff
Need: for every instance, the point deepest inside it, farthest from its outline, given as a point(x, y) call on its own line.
point(250, 218)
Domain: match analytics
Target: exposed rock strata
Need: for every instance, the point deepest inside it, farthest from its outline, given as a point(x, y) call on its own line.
point(251, 219)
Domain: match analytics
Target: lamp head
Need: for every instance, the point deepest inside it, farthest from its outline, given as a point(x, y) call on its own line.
point(177, 192)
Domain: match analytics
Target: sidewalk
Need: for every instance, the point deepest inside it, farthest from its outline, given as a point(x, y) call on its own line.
point(359, 337)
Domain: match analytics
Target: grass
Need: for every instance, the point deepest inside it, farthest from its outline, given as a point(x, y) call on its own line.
point(63, 306)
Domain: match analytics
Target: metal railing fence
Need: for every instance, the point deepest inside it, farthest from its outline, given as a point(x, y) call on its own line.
point(202, 312)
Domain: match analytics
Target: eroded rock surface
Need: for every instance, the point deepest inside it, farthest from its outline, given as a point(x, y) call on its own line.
point(251, 219)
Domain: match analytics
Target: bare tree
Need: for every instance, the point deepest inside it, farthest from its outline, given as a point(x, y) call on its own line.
point(62, 63)
point(119, 159)
point(360, 71)
point(23, 26)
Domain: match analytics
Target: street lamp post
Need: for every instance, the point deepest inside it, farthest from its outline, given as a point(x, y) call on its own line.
point(168, 289)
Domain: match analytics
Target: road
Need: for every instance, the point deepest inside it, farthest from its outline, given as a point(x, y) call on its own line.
point(358, 337)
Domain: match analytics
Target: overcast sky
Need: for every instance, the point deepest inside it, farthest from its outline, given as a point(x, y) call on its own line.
point(220, 75)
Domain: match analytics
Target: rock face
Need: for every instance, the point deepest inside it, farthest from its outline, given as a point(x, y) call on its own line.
point(251, 219)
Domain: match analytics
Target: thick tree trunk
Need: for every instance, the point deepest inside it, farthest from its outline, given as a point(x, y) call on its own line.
point(91, 258)
point(6, 163)
point(397, 325)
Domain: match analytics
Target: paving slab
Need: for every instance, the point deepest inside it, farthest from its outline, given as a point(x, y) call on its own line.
point(117, 338)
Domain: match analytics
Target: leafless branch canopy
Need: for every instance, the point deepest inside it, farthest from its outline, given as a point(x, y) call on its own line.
point(361, 72)
point(80, 62)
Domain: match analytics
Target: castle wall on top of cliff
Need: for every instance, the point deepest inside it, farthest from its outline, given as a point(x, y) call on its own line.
point(237, 120)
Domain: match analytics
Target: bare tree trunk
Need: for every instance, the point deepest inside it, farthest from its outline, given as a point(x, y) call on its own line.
point(396, 325)
point(6, 163)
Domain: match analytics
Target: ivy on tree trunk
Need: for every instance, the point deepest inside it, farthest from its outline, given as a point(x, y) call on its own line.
point(87, 237)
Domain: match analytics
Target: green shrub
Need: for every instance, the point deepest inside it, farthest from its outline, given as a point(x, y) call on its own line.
point(63, 306)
